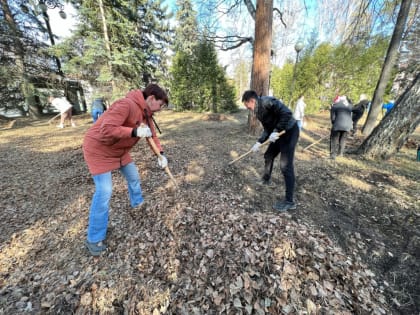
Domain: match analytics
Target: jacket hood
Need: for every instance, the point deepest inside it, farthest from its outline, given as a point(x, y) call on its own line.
point(343, 99)
point(138, 98)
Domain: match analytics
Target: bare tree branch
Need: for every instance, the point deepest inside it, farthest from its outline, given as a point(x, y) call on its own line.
point(360, 23)
point(281, 16)
point(229, 42)
point(233, 6)
point(250, 7)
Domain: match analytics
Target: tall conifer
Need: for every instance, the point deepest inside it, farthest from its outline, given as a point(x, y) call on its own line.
point(198, 81)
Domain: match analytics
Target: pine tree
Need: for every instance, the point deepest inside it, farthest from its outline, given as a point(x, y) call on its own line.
point(137, 36)
point(186, 33)
point(183, 91)
point(215, 93)
point(24, 56)
point(198, 81)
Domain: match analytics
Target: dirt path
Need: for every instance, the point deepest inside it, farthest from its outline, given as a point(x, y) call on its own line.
point(214, 245)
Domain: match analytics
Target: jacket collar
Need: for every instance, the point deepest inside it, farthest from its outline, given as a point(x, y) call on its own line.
point(137, 97)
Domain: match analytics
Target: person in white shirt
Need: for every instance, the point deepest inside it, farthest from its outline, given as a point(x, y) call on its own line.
point(65, 108)
point(300, 111)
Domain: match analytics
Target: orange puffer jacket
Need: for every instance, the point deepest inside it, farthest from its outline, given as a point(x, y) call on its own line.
point(107, 143)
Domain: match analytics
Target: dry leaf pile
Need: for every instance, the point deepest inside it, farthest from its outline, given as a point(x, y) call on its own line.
point(214, 246)
point(258, 264)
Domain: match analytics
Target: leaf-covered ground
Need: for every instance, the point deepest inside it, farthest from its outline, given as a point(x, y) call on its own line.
point(214, 245)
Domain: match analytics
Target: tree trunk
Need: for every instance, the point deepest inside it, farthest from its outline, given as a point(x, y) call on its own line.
point(394, 129)
point(390, 60)
point(262, 53)
point(107, 42)
point(34, 107)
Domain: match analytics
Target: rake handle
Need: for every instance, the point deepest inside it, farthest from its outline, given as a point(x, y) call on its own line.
point(250, 151)
point(157, 152)
point(49, 121)
point(316, 142)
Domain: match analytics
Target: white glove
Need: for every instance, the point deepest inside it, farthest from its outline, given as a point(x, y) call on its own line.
point(162, 161)
point(274, 136)
point(256, 147)
point(144, 132)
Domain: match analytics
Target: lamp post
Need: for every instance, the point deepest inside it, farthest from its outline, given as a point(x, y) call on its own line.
point(44, 5)
point(298, 48)
point(271, 71)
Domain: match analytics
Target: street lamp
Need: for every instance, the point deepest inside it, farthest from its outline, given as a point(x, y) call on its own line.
point(298, 48)
point(44, 5)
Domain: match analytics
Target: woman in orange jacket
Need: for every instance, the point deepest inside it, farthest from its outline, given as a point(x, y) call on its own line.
point(106, 147)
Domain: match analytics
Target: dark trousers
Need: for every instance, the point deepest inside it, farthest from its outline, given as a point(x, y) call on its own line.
point(285, 145)
point(337, 140)
point(355, 121)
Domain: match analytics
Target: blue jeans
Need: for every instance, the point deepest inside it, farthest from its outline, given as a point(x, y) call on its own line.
point(99, 208)
point(300, 124)
point(96, 113)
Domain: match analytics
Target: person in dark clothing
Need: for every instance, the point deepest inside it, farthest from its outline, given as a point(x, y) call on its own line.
point(341, 125)
point(276, 117)
point(358, 111)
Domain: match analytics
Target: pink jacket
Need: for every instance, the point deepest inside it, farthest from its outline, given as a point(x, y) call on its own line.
point(107, 143)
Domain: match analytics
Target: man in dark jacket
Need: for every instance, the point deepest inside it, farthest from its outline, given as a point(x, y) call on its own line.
point(358, 111)
point(341, 125)
point(276, 117)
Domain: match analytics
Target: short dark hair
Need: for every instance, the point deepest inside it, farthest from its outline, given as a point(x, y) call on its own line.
point(248, 95)
point(157, 92)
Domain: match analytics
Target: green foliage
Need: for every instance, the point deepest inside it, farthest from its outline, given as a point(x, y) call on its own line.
point(280, 81)
point(186, 33)
point(198, 82)
point(24, 58)
point(241, 77)
point(182, 83)
point(138, 43)
point(328, 70)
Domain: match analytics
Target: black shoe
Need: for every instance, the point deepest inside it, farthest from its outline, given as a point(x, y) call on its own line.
point(95, 249)
point(267, 182)
point(264, 182)
point(283, 206)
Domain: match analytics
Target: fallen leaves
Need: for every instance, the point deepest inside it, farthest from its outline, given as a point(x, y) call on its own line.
point(212, 247)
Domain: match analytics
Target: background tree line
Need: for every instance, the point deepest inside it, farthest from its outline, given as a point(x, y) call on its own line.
point(325, 70)
point(116, 46)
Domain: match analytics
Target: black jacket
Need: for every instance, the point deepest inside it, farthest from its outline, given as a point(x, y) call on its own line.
point(359, 109)
point(341, 117)
point(273, 115)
